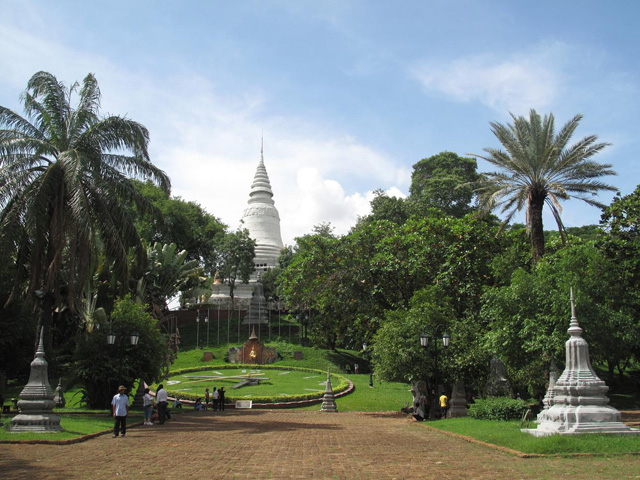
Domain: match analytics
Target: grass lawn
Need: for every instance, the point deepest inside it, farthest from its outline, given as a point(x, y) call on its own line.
point(508, 434)
point(74, 425)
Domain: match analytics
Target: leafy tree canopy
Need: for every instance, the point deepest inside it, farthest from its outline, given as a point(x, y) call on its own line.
point(184, 223)
point(444, 181)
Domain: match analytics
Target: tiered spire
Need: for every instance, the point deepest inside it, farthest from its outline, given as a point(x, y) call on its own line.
point(578, 402)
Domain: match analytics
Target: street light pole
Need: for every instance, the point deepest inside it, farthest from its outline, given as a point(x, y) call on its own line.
point(206, 320)
point(424, 342)
point(198, 329)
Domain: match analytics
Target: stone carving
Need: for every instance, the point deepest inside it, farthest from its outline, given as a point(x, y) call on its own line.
point(58, 398)
point(233, 355)
point(579, 401)
point(458, 402)
point(497, 385)
point(36, 400)
point(420, 400)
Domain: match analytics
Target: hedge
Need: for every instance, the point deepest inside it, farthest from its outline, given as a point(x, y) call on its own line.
point(498, 408)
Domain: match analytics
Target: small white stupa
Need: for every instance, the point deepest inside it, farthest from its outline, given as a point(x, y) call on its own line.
point(578, 402)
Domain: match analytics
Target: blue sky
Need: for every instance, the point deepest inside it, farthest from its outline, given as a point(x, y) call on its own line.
point(349, 95)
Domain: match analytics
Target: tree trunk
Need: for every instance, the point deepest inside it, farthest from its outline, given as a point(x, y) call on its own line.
point(536, 229)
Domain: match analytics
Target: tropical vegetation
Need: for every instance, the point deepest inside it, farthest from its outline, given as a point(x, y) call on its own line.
point(92, 242)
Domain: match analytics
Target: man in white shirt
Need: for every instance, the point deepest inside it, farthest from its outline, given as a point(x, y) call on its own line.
point(162, 400)
point(120, 409)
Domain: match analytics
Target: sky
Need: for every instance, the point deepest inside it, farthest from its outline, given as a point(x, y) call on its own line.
point(346, 95)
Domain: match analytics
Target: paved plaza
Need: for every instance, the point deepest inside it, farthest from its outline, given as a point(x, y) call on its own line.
point(284, 444)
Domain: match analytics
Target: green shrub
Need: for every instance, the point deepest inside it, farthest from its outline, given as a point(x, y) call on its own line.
point(498, 408)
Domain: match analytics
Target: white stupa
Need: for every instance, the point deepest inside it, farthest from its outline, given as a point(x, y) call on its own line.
point(262, 220)
point(578, 402)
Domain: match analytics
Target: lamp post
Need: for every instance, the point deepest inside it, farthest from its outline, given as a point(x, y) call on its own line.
point(424, 342)
point(198, 329)
point(133, 341)
point(366, 355)
point(206, 320)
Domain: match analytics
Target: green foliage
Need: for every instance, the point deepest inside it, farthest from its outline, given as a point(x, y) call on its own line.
point(167, 272)
point(349, 282)
point(65, 189)
point(397, 353)
point(497, 408)
point(101, 368)
point(620, 239)
point(444, 181)
point(237, 253)
point(184, 223)
point(528, 319)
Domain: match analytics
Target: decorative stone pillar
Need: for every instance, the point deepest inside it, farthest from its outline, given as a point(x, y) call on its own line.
point(578, 403)
point(36, 399)
point(458, 402)
point(329, 399)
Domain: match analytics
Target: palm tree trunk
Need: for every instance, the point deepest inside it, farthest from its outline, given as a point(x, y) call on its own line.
point(536, 232)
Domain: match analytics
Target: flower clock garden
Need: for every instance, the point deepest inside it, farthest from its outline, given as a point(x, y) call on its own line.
point(260, 384)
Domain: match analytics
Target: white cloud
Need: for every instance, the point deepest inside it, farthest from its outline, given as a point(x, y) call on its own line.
point(515, 83)
point(207, 138)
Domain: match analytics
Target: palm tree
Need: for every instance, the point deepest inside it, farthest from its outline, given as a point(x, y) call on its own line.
point(539, 168)
point(65, 188)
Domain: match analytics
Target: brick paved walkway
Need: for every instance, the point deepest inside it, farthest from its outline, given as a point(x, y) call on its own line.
point(289, 444)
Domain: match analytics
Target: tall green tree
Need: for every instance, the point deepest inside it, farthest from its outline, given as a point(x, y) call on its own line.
point(620, 236)
point(101, 367)
point(184, 223)
point(444, 181)
point(238, 251)
point(540, 167)
point(64, 187)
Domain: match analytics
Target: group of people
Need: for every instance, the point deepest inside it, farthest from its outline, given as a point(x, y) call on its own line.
point(420, 408)
point(120, 406)
point(215, 397)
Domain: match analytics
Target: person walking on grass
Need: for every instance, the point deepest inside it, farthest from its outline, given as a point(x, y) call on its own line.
point(120, 409)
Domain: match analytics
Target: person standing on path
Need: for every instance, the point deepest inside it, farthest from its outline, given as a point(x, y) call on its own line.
point(216, 396)
point(120, 409)
point(221, 398)
point(207, 398)
point(147, 403)
point(162, 399)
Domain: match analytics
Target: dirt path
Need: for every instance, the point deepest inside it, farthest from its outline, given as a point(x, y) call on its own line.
point(259, 445)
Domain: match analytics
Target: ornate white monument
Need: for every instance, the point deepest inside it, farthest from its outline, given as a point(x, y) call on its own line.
point(578, 403)
point(262, 220)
